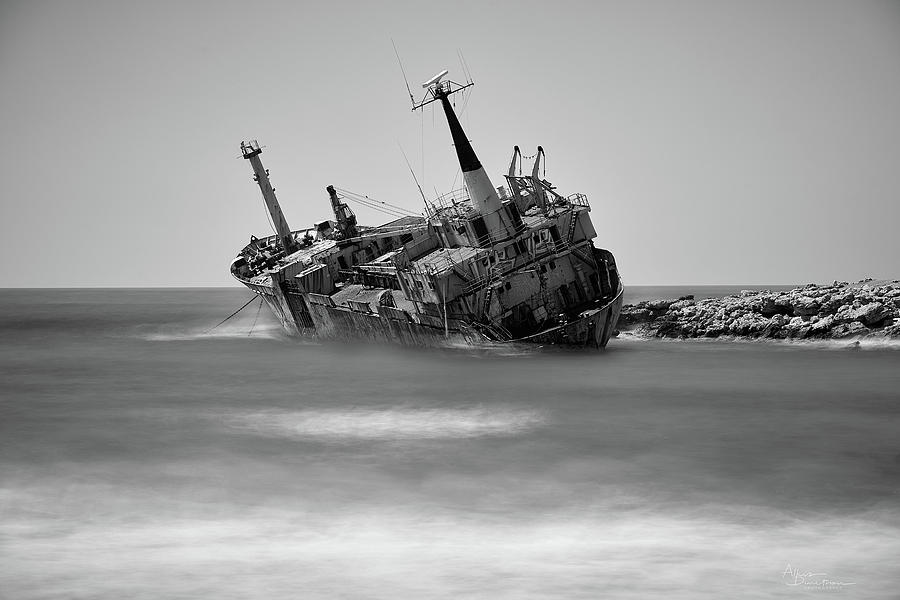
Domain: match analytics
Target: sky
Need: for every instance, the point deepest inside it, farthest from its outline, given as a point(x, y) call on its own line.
point(718, 142)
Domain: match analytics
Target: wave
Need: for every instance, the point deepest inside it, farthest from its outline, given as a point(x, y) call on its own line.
point(266, 552)
point(848, 343)
point(263, 331)
point(387, 423)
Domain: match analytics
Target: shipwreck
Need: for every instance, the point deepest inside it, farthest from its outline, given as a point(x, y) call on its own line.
point(514, 263)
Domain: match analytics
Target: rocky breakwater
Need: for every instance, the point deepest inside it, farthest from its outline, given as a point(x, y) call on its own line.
point(868, 309)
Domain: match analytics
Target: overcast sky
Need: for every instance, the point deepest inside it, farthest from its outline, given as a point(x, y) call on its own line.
point(718, 142)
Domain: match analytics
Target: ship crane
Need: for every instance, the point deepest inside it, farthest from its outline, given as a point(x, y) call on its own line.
point(513, 184)
point(346, 220)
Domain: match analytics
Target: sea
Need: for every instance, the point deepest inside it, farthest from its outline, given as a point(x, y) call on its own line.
point(146, 453)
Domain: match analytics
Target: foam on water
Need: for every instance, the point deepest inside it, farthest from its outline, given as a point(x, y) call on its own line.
point(848, 343)
point(394, 423)
point(271, 331)
point(273, 553)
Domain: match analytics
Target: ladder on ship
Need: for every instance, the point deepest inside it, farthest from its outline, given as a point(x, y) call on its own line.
point(572, 225)
point(488, 294)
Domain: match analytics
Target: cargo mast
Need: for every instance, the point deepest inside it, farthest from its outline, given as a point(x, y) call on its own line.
point(251, 152)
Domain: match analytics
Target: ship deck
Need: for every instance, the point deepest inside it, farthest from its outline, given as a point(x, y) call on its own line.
point(356, 292)
point(444, 259)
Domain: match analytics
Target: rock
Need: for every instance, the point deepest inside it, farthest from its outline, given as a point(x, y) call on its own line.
point(844, 314)
point(783, 304)
point(680, 304)
point(768, 307)
point(634, 315)
point(797, 327)
point(827, 304)
point(668, 328)
point(773, 329)
point(794, 325)
point(660, 304)
point(805, 306)
point(750, 324)
point(847, 329)
point(840, 331)
point(822, 326)
point(892, 330)
point(836, 302)
point(812, 311)
point(870, 314)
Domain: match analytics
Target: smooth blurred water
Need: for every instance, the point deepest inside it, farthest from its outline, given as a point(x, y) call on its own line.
point(142, 456)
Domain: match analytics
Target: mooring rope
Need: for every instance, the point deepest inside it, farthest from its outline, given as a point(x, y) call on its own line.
point(256, 318)
point(231, 315)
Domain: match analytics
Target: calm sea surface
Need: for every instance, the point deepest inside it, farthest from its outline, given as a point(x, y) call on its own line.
point(143, 458)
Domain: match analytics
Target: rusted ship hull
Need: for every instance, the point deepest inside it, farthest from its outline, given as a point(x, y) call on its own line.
point(593, 328)
point(315, 316)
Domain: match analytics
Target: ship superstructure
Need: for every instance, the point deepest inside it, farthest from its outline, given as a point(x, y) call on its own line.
point(484, 263)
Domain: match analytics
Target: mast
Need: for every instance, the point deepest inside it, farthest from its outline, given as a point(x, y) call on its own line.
point(481, 191)
point(536, 180)
point(251, 152)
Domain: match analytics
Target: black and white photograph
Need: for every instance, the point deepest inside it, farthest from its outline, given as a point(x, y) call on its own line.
point(450, 299)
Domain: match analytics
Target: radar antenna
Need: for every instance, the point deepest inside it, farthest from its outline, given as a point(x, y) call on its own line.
point(436, 80)
point(438, 87)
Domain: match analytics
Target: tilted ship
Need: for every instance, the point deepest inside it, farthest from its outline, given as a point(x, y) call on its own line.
point(484, 264)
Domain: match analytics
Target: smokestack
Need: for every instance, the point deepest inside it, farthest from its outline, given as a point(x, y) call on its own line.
point(479, 185)
point(481, 190)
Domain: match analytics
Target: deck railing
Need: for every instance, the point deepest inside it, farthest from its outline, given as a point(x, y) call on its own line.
point(456, 203)
point(578, 200)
